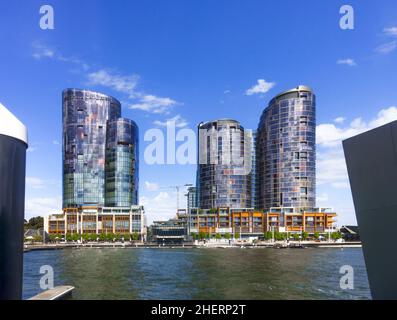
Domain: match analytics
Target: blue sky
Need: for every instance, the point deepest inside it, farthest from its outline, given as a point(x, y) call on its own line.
point(195, 60)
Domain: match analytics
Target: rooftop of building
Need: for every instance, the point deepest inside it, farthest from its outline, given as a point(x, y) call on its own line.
point(220, 121)
point(90, 92)
point(11, 126)
point(296, 89)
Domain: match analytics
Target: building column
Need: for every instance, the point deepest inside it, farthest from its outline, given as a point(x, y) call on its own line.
point(267, 222)
point(77, 222)
point(130, 222)
point(114, 223)
point(96, 224)
point(65, 224)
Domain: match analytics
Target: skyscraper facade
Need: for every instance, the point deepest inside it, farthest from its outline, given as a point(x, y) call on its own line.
point(88, 147)
point(224, 169)
point(286, 151)
point(253, 170)
point(191, 197)
point(121, 168)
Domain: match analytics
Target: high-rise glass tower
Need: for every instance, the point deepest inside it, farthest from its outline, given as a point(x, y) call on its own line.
point(286, 151)
point(191, 198)
point(121, 169)
point(224, 169)
point(87, 116)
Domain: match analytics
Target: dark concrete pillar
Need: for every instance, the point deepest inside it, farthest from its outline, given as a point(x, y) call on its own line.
point(371, 159)
point(13, 145)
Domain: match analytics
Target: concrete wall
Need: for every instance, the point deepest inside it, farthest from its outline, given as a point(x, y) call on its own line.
point(371, 160)
point(12, 202)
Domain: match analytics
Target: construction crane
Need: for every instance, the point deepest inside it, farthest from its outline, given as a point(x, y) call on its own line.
point(177, 188)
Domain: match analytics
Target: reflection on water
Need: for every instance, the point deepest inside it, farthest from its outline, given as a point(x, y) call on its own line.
point(199, 273)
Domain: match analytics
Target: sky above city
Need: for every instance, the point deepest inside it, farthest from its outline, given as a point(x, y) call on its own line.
point(193, 61)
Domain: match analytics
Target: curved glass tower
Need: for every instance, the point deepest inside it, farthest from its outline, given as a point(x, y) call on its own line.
point(121, 170)
point(286, 151)
point(85, 117)
point(224, 169)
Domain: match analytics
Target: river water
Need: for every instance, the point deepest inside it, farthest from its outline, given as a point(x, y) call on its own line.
point(232, 273)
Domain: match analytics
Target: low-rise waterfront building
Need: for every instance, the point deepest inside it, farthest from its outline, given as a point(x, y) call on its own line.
point(244, 221)
point(289, 219)
point(248, 222)
point(350, 233)
point(172, 231)
point(97, 220)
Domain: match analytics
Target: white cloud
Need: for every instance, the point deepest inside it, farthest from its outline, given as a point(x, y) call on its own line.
point(339, 120)
point(340, 185)
point(329, 134)
point(392, 31)
point(226, 91)
point(160, 207)
point(387, 47)
point(384, 116)
point(331, 166)
point(35, 183)
point(350, 62)
point(127, 84)
point(179, 122)
point(322, 197)
point(154, 104)
point(110, 79)
point(56, 142)
point(151, 186)
point(39, 183)
point(41, 51)
point(261, 87)
point(42, 206)
point(117, 82)
point(79, 62)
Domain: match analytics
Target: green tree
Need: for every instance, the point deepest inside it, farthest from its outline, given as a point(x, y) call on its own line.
point(118, 236)
point(126, 236)
point(194, 235)
point(268, 235)
point(316, 235)
point(336, 235)
point(295, 236)
point(236, 235)
point(72, 237)
point(202, 235)
point(305, 235)
point(86, 237)
point(135, 236)
point(35, 223)
point(279, 236)
point(218, 236)
point(55, 237)
point(37, 238)
point(102, 237)
point(227, 236)
point(110, 236)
